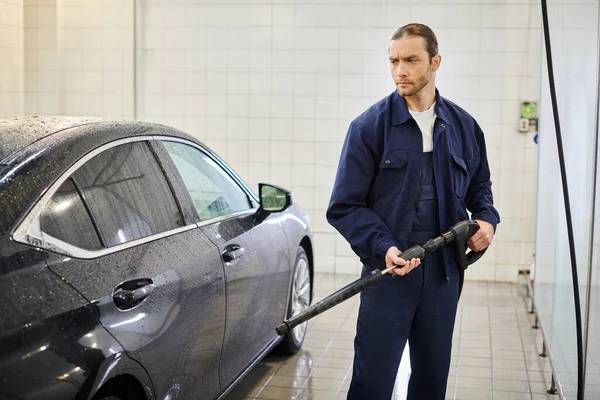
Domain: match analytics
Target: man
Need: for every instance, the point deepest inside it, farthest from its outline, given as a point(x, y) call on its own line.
point(411, 166)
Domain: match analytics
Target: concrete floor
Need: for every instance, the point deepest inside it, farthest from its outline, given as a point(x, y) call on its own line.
point(495, 353)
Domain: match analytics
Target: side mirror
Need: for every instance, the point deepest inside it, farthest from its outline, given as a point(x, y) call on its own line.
point(273, 198)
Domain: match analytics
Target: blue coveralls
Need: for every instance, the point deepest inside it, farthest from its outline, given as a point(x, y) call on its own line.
point(421, 307)
point(388, 193)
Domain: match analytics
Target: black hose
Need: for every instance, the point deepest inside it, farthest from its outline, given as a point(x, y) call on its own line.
point(563, 174)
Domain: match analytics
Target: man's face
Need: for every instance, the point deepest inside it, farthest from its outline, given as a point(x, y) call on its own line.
point(410, 65)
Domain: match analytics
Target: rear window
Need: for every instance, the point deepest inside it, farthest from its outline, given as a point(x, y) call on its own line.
point(66, 218)
point(128, 194)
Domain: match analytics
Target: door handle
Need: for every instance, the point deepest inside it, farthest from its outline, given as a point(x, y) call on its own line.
point(232, 252)
point(131, 293)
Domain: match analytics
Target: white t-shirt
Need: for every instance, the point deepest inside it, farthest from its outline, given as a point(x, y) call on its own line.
point(425, 120)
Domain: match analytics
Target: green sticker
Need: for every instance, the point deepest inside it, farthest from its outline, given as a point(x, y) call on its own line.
point(528, 110)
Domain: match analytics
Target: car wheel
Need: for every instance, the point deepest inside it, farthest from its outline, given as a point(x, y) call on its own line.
point(300, 299)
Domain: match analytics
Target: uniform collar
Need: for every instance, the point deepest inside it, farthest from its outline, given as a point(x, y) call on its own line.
point(400, 113)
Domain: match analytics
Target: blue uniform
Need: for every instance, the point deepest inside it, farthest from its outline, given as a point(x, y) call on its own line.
point(389, 193)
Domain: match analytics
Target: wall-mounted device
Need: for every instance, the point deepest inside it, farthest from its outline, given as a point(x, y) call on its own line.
point(528, 119)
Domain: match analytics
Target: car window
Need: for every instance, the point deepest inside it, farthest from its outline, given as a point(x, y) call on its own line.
point(66, 218)
point(213, 191)
point(128, 194)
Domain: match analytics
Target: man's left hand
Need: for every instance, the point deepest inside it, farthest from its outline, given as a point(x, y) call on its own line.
point(482, 238)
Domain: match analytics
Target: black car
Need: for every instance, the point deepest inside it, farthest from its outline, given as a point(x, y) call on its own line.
point(135, 264)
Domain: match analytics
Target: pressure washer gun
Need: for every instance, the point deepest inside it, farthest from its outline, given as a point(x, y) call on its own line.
point(459, 234)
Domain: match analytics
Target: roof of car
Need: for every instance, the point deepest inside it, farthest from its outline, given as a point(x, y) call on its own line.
point(18, 132)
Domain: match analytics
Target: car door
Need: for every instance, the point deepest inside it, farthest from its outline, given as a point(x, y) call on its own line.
point(253, 251)
point(156, 279)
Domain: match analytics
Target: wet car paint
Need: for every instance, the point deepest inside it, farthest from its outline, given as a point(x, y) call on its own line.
point(257, 282)
point(179, 326)
point(52, 344)
point(28, 173)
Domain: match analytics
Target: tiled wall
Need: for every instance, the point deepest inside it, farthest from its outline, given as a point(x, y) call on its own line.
point(11, 56)
point(272, 87)
point(79, 57)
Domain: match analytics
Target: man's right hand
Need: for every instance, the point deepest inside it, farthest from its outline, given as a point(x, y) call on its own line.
point(404, 267)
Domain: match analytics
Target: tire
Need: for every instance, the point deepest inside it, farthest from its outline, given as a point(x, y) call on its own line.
point(300, 299)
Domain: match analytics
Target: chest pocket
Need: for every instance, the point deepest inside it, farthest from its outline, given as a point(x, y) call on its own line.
point(392, 172)
point(460, 176)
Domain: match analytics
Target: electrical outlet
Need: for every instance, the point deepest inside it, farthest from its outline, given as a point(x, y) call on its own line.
point(523, 125)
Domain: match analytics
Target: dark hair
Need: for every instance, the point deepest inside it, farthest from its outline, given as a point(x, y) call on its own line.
point(423, 31)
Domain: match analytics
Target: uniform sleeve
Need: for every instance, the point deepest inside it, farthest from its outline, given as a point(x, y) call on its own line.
point(479, 199)
point(347, 211)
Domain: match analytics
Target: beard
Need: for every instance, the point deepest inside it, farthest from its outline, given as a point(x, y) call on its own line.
point(416, 86)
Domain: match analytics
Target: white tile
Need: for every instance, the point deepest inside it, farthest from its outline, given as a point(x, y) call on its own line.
point(303, 153)
point(350, 85)
point(195, 60)
point(328, 107)
point(283, 14)
point(113, 105)
point(174, 105)
point(238, 105)
point(175, 38)
point(350, 107)
point(260, 106)
point(216, 83)
point(216, 128)
point(260, 129)
point(283, 61)
point(326, 130)
point(494, 39)
point(351, 61)
point(281, 84)
point(327, 154)
point(493, 15)
point(342, 247)
point(304, 197)
point(281, 152)
point(195, 82)
point(325, 243)
point(175, 82)
point(216, 60)
point(303, 175)
point(304, 107)
point(283, 38)
point(281, 129)
point(48, 104)
point(304, 130)
point(304, 84)
point(520, 15)
point(282, 106)
point(322, 198)
point(216, 105)
point(237, 128)
point(327, 84)
point(324, 176)
point(237, 151)
point(281, 173)
point(112, 82)
point(346, 265)
point(260, 83)
point(324, 263)
point(506, 273)
point(260, 60)
point(258, 173)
